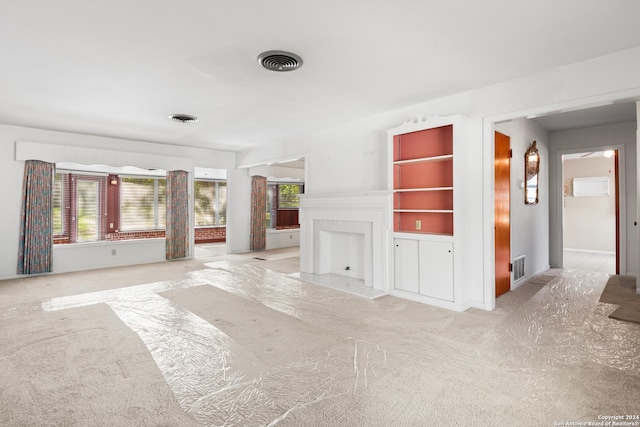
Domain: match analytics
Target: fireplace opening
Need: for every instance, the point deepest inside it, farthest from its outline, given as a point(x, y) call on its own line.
point(346, 253)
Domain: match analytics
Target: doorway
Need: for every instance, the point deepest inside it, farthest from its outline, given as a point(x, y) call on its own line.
point(591, 211)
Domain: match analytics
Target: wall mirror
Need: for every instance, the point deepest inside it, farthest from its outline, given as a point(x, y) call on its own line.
point(531, 171)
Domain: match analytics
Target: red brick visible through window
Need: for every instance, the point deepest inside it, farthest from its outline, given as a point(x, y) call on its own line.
point(211, 234)
point(202, 234)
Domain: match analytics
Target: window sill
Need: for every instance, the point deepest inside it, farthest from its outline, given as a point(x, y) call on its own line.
point(283, 230)
point(105, 243)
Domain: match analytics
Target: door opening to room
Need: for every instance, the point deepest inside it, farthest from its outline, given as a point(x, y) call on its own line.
point(591, 211)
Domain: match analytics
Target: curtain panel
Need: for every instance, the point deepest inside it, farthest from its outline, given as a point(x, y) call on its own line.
point(177, 231)
point(258, 213)
point(36, 233)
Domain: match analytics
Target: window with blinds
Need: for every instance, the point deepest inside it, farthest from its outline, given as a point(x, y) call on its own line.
point(90, 206)
point(58, 196)
point(79, 207)
point(88, 210)
point(143, 203)
point(210, 203)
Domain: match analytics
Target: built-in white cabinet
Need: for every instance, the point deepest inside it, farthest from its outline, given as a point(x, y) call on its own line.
point(436, 269)
point(423, 174)
point(407, 261)
point(424, 267)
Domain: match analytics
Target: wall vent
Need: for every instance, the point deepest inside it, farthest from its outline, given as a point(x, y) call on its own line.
point(518, 268)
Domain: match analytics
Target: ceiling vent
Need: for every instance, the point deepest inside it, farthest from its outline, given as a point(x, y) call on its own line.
point(277, 60)
point(183, 118)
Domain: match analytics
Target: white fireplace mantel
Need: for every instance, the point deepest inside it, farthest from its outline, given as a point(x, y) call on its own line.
point(367, 214)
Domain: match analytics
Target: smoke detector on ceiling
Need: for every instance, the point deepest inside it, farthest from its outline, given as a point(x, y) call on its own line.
point(183, 118)
point(278, 60)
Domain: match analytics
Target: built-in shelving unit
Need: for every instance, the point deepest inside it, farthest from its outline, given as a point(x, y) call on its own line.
point(422, 176)
point(423, 181)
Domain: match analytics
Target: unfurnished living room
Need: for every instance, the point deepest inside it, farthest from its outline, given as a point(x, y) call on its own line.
point(282, 213)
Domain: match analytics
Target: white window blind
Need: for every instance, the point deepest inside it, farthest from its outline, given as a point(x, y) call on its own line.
point(210, 203)
point(142, 203)
point(88, 210)
point(58, 197)
point(222, 203)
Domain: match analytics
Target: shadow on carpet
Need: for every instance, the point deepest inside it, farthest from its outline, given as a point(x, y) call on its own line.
point(621, 290)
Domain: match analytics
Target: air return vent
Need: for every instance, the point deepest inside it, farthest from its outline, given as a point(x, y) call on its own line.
point(183, 118)
point(277, 60)
point(518, 268)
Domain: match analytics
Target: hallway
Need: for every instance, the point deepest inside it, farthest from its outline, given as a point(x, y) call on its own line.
point(588, 261)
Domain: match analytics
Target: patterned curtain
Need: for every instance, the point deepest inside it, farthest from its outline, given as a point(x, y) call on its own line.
point(177, 215)
point(258, 213)
point(36, 233)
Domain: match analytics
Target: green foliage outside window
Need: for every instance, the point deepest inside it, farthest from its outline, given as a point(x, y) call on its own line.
point(210, 203)
point(288, 196)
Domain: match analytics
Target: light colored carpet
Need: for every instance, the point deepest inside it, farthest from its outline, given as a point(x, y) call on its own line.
point(621, 290)
point(80, 367)
point(234, 343)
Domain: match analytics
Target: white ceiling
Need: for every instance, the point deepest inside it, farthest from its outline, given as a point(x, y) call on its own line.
point(119, 68)
point(596, 116)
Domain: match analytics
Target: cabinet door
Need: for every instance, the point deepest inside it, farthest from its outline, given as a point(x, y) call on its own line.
point(436, 269)
point(406, 265)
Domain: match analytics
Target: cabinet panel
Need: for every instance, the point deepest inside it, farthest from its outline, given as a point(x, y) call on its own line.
point(436, 269)
point(406, 265)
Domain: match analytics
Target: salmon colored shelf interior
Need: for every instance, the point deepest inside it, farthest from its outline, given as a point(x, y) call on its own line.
point(431, 181)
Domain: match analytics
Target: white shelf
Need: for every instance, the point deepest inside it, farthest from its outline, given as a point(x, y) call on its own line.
point(423, 210)
point(424, 160)
point(406, 190)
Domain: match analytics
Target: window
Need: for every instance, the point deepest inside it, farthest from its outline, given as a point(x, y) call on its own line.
point(88, 210)
point(58, 197)
point(210, 203)
point(272, 191)
point(288, 196)
point(94, 206)
point(79, 207)
point(283, 202)
point(143, 203)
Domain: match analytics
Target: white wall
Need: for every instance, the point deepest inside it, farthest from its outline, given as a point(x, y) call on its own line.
point(352, 157)
point(20, 143)
point(277, 239)
point(529, 223)
point(589, 221)
point(619, 136)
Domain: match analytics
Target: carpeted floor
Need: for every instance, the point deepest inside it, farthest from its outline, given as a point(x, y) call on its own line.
point(621, 290)
point(231, 341)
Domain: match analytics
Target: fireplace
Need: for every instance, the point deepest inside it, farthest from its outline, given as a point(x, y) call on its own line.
point(348, 235)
